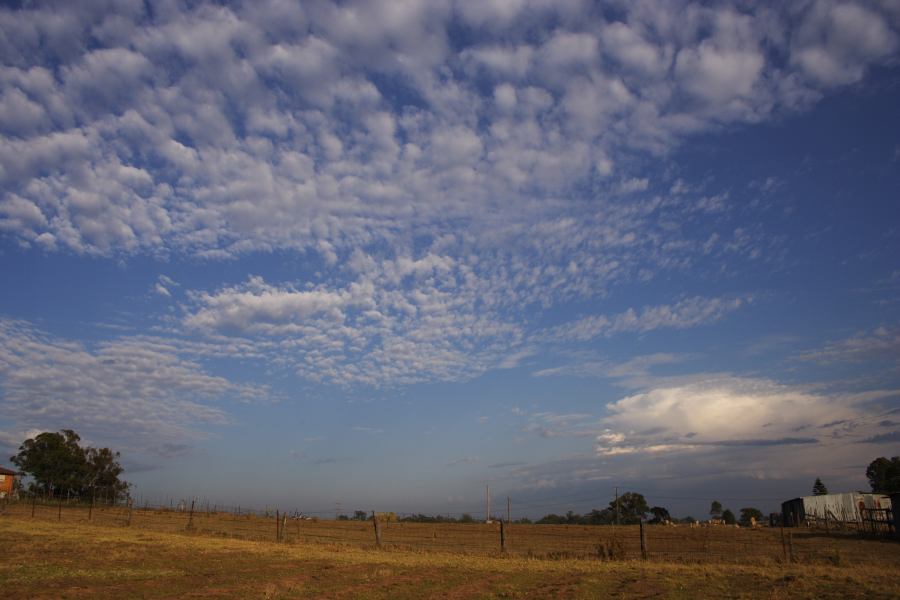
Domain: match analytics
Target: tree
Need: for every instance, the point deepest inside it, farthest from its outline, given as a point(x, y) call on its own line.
point(819, 488)
point(715, 509)
point(631, 508)
point(660, 514)
point(728, 517)
point(600, 517)
point(54, 460)
point(59, 465)
point(884, 475)
point(747, 514)
point(360, 515)
point(102, 472)
point(552, 519)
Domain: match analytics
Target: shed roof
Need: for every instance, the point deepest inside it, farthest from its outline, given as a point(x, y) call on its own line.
point(7, 472)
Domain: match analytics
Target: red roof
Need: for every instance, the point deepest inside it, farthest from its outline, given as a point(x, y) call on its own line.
point(7, 472)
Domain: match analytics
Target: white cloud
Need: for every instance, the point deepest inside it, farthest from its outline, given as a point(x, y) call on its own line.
point(727, 411)
point(218, 130)
point(881, 344)
point(837, 41)
point(258, 305)
point(140, 386)
point(687, 313)
point(433, 178)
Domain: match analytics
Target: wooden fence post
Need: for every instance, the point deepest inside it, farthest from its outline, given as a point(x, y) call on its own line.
point(190, 524)
point(130, 508)
point(277, 526)
point(33, 502)
point(377, 529)
point(706, 542)
point(791, 546)
point(783, 543)
point(643, 541)
point(59, 511)
point(91, 508)
point(502, 536)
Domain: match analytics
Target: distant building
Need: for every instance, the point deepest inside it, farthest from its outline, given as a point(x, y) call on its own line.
point(7, 483)
point(849, 507)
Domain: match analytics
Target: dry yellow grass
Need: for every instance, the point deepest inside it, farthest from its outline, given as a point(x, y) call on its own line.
point(44, 559)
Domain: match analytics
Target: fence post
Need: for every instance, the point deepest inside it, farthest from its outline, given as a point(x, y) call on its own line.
point(643, 541)
point(377, 529)
point(130, 508)
point(190, 524)
point(706, 542)
point(59, 511)
point(783, 543)
point(283, 526)
point(277, 526)
point(791, 546)
point(91, 508)
point(33, 502)
point(502, 536)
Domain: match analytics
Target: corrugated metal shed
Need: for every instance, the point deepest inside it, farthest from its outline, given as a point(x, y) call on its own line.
point(836, 508)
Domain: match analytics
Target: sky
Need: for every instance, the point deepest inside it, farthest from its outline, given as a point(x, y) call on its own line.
point(381, 255)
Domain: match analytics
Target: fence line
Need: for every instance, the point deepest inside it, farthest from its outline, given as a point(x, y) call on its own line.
point(602, 542)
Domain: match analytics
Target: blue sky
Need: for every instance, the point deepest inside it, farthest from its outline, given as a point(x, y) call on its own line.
point(385, 254)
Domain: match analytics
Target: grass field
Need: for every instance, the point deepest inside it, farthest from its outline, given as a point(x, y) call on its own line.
point(712, 545)
point(40, 558)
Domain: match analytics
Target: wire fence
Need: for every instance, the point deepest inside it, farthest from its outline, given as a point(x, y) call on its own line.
point(669, 543)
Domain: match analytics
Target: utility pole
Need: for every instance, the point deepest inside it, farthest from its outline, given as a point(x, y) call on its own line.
point(617, 505)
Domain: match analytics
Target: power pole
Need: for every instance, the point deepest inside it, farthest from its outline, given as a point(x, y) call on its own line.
point(617, 505)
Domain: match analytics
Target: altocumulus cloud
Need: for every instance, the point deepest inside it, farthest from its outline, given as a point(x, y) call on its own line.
point(451, 176)
point(223, 129)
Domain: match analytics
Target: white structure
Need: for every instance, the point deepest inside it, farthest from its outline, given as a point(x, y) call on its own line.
point(836, 508)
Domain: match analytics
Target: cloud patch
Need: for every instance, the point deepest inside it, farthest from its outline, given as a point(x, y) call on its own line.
point(148, 389)
point(730, 411)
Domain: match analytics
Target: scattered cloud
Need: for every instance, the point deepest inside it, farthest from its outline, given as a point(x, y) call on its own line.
point(881, 344)
point(141, 394)
point(368, 429)
point(465, 460)
point(687, 313)
point(219, 129)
